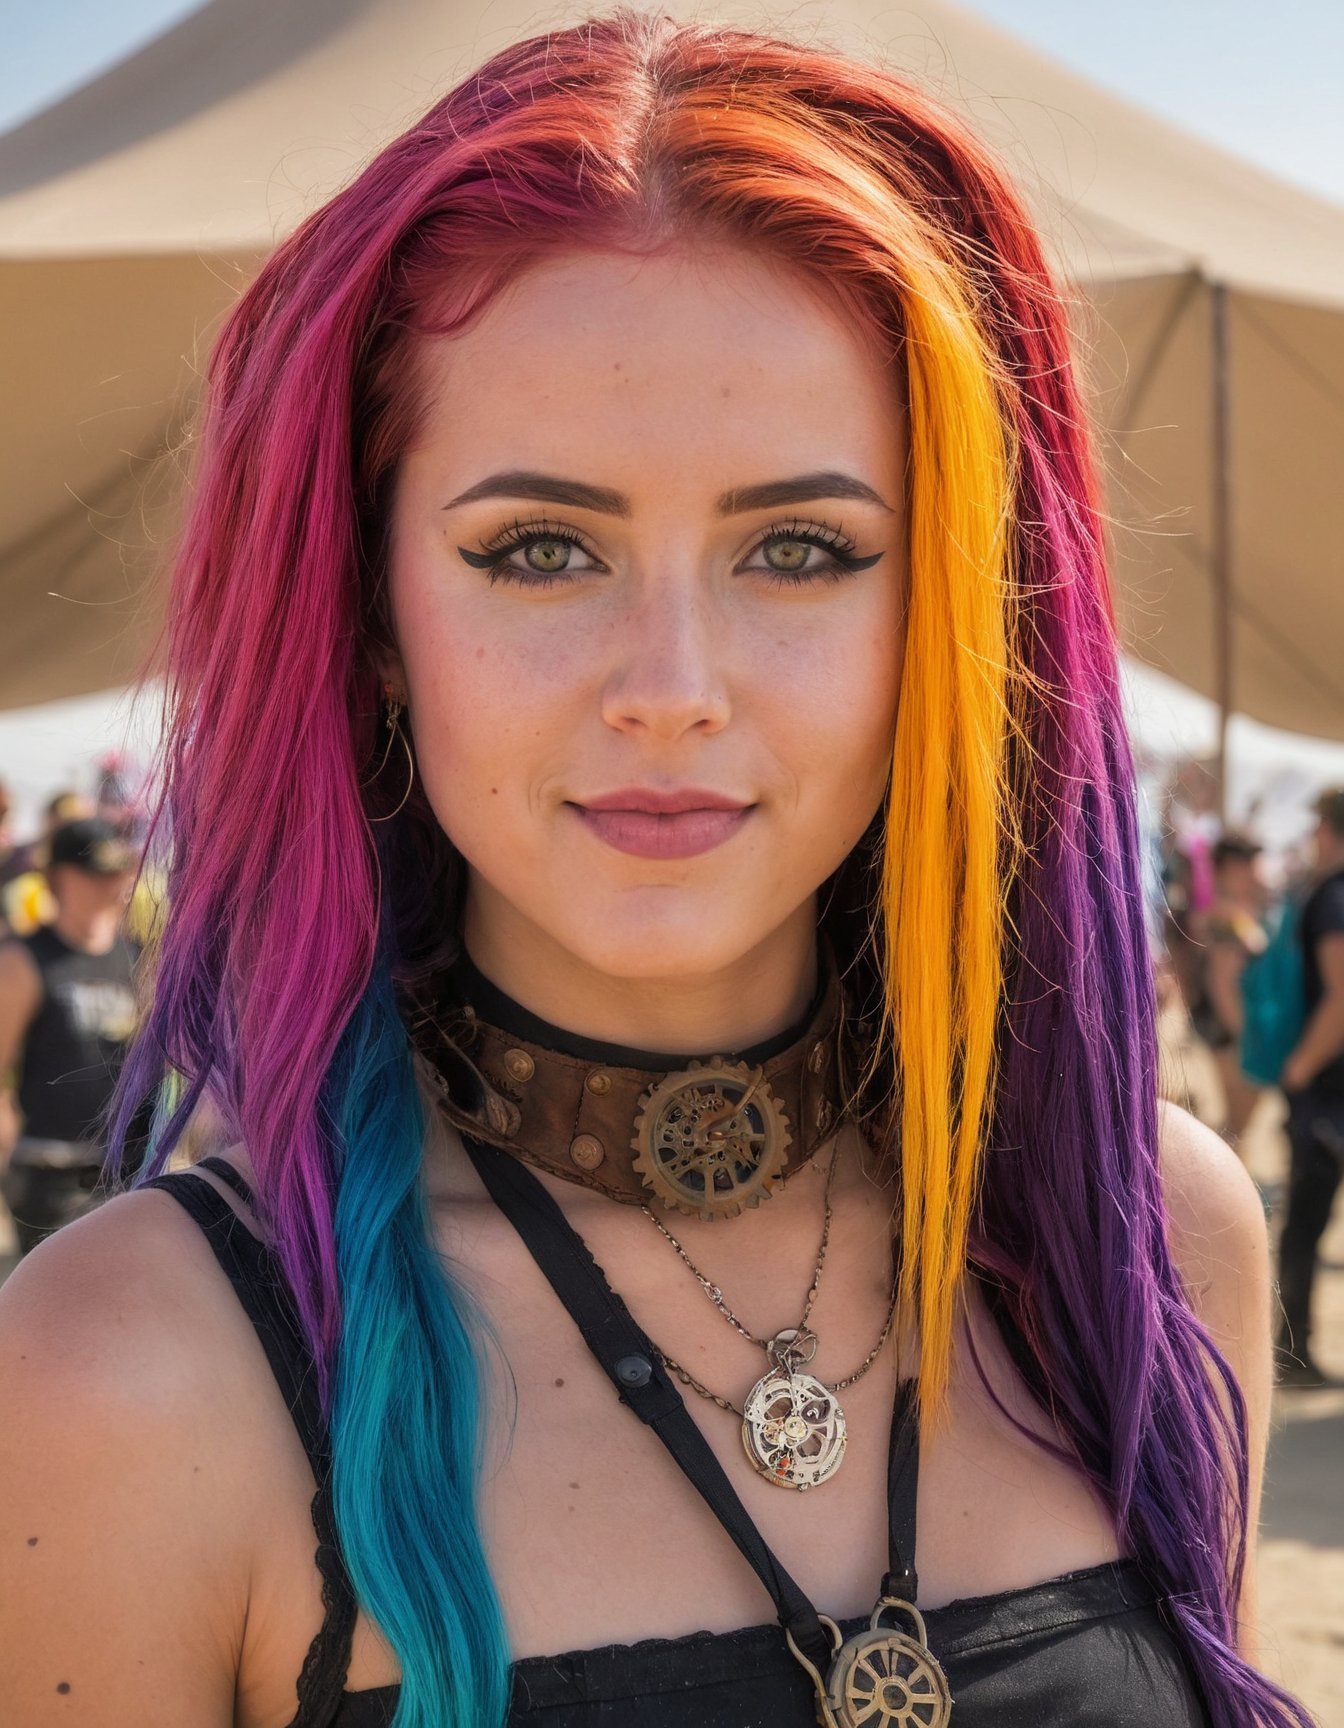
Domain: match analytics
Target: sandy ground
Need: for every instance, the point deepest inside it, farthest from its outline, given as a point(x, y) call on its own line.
point(1301, 1567)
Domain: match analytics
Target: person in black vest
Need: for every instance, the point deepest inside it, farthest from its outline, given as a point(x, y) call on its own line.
point(67, 1010)
point(1313, 1079)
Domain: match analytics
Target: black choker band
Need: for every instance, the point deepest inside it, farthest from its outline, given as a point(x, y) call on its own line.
point(706, 1138)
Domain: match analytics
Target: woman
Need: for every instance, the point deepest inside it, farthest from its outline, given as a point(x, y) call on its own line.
point(640, 643)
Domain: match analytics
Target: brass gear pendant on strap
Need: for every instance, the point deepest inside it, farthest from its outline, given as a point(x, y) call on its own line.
point(711, 1139)
point(886, 1678)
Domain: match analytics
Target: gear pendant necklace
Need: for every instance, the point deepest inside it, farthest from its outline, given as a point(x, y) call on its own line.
point(883, 1677)
point(793, 1426)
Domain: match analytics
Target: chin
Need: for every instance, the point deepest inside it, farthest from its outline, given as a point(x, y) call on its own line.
point(685, 942)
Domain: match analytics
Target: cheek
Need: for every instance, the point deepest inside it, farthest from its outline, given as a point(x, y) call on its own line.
point(833, 700)
point(493, 695)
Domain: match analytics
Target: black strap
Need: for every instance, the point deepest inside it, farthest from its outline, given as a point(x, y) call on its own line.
point(631, 1363)
point(229, 1176)
point(902, 1496)
point(260, 1287)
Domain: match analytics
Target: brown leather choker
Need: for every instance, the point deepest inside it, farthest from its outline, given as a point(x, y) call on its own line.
point(706, 1138)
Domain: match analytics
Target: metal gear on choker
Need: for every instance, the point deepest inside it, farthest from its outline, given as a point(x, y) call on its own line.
point(710, 1139)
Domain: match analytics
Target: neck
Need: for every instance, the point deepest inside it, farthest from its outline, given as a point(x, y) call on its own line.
point(744, 1003)
point(707, 1133)
point(93, 932)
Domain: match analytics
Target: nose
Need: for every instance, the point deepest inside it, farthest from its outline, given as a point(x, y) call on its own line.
point(670, 676)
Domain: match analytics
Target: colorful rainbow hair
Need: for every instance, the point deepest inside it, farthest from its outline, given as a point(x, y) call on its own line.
point(1005, 932)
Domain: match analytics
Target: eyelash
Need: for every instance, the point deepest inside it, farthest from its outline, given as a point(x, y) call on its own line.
point(493, 557)
point(844, 561)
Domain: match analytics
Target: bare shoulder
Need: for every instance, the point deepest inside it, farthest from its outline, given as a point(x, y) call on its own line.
point(109, 1303)
point(124, 1535)
point(20, 979)
point(16, 962)
point(1219, 1241)
point(1216, 1223)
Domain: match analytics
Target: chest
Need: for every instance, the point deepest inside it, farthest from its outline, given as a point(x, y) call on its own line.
point(87, 999)
point(595, 1534)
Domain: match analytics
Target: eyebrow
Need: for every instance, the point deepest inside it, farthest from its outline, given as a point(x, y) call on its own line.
point(804, 489)
point(545, 489)
point(550, 489)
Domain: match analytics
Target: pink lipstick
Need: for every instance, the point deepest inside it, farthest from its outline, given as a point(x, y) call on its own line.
point(649, 824)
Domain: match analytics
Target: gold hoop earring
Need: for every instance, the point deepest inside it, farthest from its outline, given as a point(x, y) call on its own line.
point(392, 720)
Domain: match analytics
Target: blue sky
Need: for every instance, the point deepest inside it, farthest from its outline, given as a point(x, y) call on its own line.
point(1264, 81)
point(52, 49)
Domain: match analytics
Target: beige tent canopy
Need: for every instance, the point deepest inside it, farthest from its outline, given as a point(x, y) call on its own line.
point(1212, 326)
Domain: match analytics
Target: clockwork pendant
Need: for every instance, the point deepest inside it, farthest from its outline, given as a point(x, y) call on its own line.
point(793, 1429)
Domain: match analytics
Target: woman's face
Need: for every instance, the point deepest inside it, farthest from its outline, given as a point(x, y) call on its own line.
point(647, 581)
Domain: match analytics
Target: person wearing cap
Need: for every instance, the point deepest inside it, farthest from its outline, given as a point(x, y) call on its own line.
point(67, 1010)
point(1313, 1080)
point(25, 897)
point(1228, 935)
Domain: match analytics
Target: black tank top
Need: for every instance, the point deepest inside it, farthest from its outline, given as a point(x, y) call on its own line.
point(74, 1044)
point(1090, 1649)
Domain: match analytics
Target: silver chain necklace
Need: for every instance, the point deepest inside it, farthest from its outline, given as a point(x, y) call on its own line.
point(793, 1428)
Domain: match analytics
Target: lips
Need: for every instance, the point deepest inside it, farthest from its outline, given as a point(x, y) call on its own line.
point(650, 824)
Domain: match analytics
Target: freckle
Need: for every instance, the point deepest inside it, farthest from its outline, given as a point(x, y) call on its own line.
point(573, 1484)
point(480, 653)
point(64, 1686)
point(725, 392)
point(32, 1541)
point(559, 1382)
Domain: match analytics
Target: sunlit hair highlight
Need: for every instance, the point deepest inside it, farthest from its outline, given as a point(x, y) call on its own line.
point(1014, 1084)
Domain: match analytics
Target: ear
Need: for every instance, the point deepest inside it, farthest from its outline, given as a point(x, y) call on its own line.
point(388, 665)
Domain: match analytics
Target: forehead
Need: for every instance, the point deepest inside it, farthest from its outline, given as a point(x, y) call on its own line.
point(703, 359)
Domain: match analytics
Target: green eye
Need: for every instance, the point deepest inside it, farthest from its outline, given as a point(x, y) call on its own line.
point(534, 555)
point(547, 556)
point(788, 555)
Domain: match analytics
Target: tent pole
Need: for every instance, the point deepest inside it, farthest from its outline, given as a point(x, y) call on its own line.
point(1222, 535)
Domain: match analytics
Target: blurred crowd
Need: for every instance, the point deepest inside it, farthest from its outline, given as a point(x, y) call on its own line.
point(1248, 945)
point(1249, 950)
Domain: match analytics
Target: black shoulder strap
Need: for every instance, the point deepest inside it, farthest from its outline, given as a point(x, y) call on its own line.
point(902, 1580)
point(229, 1176)
point(632, 1365)
point(260, 1287)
